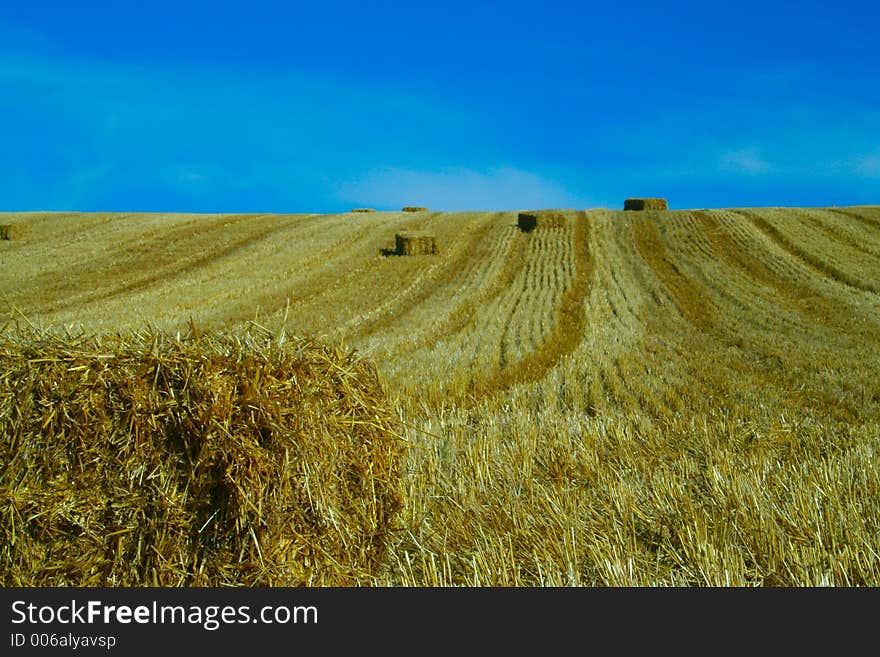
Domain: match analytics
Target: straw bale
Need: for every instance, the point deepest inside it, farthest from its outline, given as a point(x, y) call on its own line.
point(414, 208)
point(640, 204)
point(14, 231)
point(415, 243)
point(529, 221)
point(363, 210)
point(203, 460)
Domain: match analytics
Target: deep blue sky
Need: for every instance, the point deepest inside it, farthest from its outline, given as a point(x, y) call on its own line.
point(293, 107)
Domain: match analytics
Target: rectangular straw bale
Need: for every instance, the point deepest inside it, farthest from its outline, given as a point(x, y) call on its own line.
point(641, 204)
point(414, 208)
point(14, 231)
point(529, 221)
point(207, 460)
point(415, 243)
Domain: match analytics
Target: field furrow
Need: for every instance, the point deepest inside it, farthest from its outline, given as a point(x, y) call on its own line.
point(801, 289)
point(690, 303)
point(449, 310)
point(826, 262)
point(868, 216)
point(851, 234)
point(745, 293)
point(343, 300)
point(181, 267)
point(70, 227)
point(568, 313)
point(444, 281)
point(96, 257)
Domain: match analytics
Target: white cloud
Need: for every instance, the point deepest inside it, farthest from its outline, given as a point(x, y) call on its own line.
point(744, 161)
point(458, 189)
point(869, 166)
point(189, 174)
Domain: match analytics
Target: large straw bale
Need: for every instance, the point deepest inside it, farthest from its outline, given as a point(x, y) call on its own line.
point(415, 242)
point(197, 461)
point(529, 221)
point(414, 208)
point(14, 231)
point(640, 204)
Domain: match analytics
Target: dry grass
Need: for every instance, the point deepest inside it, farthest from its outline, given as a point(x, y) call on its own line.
point(363, 210)
point(618, 401)
point(202, 460)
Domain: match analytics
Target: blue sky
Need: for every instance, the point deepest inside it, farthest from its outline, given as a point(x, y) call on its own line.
point(320, 107)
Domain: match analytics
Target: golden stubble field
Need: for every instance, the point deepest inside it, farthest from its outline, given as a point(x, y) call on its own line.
point(634, 398)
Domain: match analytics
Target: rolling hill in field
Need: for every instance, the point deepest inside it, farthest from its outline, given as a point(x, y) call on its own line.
point(679, 397)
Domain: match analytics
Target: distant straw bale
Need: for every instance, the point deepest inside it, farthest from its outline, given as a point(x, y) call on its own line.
point(414, 208)
point(148, 460)
point(641, 204)
point(415, 243)
point(529, 221)
point(14, 231)
point(363, 210)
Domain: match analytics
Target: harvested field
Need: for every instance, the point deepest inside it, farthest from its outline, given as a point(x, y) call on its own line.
point(612, 401)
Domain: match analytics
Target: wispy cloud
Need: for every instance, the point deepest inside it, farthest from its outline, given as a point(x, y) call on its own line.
point(101, 133)
point(744, 161)
point(869, 166)
point(453, 189)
